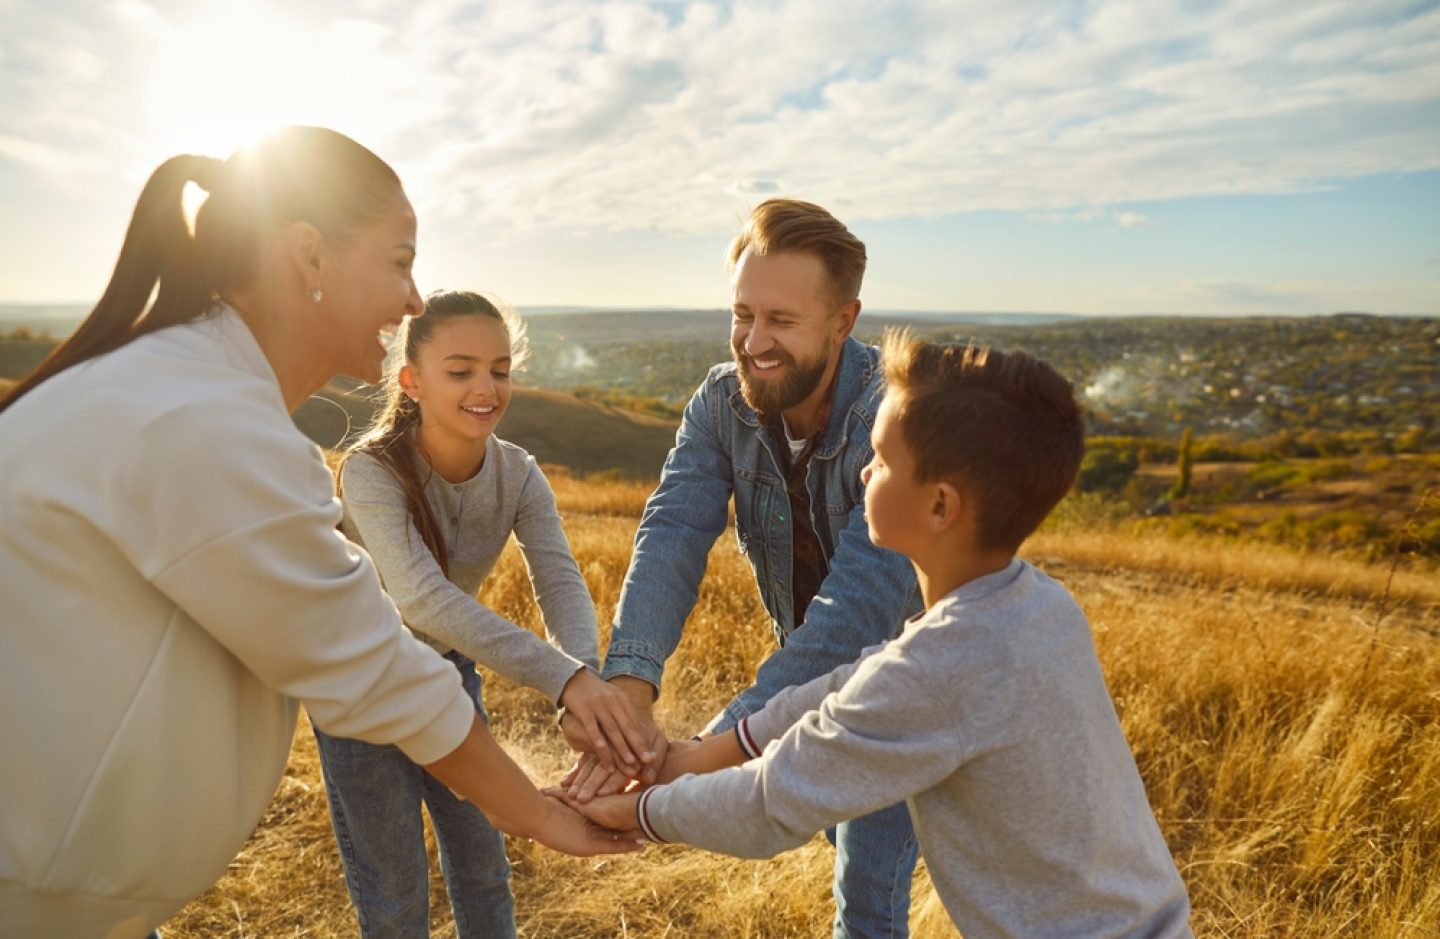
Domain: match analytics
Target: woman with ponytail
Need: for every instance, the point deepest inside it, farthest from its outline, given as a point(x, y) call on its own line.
point(172, 580)
point(433, 495)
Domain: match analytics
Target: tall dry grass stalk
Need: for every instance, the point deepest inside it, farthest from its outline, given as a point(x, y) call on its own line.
point(1298, 802)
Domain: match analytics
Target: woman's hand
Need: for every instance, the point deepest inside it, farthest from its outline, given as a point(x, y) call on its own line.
point(565, 829)
point(607, 812)
point(618, 736)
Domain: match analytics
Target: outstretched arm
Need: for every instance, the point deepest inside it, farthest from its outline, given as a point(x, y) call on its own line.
point(863, 601)
point(482, 773)
point(885, 736)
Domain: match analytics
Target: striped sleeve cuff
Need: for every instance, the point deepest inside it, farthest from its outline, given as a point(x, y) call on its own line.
point(642, 814)
point(747, 740)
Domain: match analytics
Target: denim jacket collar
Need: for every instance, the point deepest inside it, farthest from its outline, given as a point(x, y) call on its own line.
point(856, 369)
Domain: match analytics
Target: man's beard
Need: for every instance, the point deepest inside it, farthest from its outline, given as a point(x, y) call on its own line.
point(772, 396)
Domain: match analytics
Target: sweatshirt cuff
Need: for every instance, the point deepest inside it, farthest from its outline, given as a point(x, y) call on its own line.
point(642, 816)
point(747, 742)
point(760, 728)
point(444, 734)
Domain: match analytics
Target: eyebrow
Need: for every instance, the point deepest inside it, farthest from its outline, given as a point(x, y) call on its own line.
point(472, 358)
point(406, 246)
point(745, 308)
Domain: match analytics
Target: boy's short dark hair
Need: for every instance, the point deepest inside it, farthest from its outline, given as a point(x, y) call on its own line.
point(1003, 424)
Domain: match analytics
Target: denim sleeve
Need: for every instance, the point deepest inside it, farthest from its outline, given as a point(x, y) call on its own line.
point(865, 599)
point(682, 519)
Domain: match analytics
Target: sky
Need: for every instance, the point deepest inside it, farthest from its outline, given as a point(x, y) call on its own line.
point(1103, 157)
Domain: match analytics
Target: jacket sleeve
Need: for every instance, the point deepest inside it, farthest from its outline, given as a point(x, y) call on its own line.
point(884, 736)
point(682, 519)
point(430, 602)
point(864, 600)
point(560, 590)
point(234, 521)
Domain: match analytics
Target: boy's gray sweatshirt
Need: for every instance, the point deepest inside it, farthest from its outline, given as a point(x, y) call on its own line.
point(990, 717)
point(476, 518)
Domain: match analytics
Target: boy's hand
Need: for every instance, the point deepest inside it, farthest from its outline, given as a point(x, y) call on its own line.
point(701, 756)
point(620, 812)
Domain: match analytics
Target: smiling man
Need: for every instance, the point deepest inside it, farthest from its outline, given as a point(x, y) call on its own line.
point(785, 429)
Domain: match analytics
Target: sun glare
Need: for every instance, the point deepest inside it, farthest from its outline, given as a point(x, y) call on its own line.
point(237, 71)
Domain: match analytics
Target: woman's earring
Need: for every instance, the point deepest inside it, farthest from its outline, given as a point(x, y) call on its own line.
point(317, 295)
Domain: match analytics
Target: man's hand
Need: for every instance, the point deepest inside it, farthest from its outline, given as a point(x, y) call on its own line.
point(603, 720)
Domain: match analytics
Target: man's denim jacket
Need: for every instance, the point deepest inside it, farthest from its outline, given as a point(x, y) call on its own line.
point(721, 448)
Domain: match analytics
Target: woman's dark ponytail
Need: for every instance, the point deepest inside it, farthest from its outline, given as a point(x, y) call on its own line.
point(158, 247)
point(308, 174)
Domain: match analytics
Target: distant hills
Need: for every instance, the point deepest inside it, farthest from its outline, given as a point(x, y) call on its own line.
point(585, 436)
point(1339, 383)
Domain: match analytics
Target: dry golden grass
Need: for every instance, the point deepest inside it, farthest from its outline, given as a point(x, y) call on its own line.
point(1286, 727)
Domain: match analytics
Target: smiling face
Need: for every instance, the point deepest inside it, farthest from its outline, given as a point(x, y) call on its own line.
point(368, 288)
point(784, 332)
point(461, 380)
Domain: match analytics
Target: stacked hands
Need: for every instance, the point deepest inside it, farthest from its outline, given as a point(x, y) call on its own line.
point(622, 752)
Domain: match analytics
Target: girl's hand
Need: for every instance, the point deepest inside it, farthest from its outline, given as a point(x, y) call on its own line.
point(565, 829)
point(616, 734)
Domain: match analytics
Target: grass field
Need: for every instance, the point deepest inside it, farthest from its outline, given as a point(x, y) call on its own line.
point(1284, 710)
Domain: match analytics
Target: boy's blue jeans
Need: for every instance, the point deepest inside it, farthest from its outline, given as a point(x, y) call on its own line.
point(375, 795)
point(874, 858)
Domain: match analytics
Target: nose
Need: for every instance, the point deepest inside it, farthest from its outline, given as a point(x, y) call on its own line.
point(756, 339)
point(865, 473)
point(414, 303)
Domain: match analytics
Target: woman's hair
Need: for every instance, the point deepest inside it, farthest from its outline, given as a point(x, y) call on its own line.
point(307, 174)
point(390, 439)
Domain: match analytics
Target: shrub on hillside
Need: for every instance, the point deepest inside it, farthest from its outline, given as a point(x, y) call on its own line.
point(1106, 469)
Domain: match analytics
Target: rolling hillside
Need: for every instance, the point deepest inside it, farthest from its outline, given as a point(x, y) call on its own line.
point(585, 436)
point(558, 428)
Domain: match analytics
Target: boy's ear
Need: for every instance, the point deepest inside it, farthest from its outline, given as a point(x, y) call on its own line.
point(947, 508)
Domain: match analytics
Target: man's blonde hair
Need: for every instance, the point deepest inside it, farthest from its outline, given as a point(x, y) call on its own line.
point(779, 226)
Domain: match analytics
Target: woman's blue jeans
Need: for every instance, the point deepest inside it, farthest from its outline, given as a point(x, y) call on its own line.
point(375, 797)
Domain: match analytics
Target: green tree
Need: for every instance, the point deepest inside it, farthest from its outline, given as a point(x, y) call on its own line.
point(1186, 464)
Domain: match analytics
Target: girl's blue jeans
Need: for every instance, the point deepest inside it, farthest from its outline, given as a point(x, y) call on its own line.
point(375, 797)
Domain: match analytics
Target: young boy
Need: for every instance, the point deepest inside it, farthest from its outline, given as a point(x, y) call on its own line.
point(988, 714)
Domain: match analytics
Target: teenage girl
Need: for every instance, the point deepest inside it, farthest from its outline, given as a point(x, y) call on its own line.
point(433, 495)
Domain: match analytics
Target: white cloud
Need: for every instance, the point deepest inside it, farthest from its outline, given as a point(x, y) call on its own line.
point(515, 116)
point(1131, 220)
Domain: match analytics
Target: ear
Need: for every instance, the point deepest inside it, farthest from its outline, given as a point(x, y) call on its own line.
point(844, 320)
point(947, 508)
point(303, 246)
point(407, 381)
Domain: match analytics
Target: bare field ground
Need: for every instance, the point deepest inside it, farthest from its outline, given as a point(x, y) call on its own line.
point(1282, 708)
